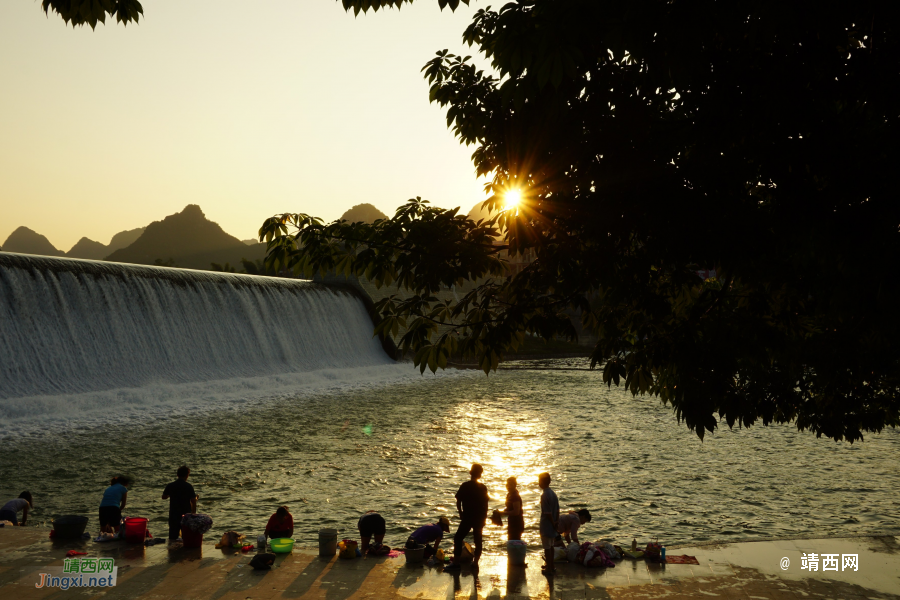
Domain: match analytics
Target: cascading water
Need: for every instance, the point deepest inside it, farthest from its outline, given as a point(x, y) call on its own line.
point(70, 327)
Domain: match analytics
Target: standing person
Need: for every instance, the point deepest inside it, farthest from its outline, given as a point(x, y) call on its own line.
point(515, 512)
point(570, 522)
point(472, 504)
point(182, 499)
point(427, 534)
point(112, 503)
point(370, 525)
point(549, 521)
point(10, 510)
point(281, 524)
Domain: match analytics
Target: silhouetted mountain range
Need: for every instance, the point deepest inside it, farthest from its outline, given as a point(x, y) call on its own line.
point(89, 249)
point(186, 239)
point(190, 240)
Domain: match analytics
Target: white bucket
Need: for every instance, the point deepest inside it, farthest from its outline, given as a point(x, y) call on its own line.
point(415, 555)
point(327, 542)
point(516, 553)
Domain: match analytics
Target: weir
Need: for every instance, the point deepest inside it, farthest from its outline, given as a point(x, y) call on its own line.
point(71, 326)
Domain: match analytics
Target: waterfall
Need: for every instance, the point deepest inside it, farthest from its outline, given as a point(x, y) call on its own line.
point(70, 327)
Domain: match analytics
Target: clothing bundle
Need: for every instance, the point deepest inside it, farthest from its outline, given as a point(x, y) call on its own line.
point(196, 522)
point(591, 555)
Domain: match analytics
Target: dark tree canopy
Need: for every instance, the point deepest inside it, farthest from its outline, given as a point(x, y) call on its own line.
point(654, 139)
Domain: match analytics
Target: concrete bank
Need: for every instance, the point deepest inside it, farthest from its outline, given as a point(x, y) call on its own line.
point(747, 570)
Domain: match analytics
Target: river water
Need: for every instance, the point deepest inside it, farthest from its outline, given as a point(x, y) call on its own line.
point(403, 449)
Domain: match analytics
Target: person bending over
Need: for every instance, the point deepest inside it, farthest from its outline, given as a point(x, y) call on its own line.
point(10, 510)
point(370, 525)
point(281, 524)
point(549, 521)
point(112, 504)
point(570, 522)
point(472, 504)
point(182, 499)
point(427, 535)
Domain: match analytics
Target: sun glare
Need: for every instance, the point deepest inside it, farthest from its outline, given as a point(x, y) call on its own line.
point(511, 199)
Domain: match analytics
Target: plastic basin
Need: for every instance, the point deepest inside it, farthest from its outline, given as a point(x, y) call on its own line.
point(69, 526)
point(281, 545)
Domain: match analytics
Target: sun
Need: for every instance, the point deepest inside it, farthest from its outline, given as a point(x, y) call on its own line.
point(511, 199)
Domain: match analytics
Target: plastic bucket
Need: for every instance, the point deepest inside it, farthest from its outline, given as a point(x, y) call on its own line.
point(415, 555)
point(135, 529)
point(327, 542)
point(516, 553)
point(191, 539)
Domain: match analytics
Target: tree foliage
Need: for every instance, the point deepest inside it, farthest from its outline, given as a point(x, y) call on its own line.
point(90, 12)
point(652, 140)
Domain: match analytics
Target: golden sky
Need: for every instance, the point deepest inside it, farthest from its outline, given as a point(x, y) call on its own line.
point(245, 108)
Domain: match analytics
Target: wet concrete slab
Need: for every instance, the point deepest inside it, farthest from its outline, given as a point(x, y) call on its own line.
point(746, 570)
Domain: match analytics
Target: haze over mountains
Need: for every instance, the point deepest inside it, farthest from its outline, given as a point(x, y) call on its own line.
point(186, 239)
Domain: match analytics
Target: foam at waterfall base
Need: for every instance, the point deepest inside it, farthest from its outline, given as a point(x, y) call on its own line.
point(111, 409)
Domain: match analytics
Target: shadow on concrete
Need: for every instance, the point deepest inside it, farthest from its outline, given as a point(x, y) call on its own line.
point(304, 581)
point(347, 577)
point(241, 578)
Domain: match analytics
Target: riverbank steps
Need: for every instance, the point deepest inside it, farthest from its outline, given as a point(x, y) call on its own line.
point(746, 570)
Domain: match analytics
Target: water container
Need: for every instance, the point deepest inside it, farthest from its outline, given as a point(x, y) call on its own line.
point(261, 542)
point(516, 551)
point(415, 556)
point(327, 542)
point(69, 526)
point(191, 539)
point(135, 530)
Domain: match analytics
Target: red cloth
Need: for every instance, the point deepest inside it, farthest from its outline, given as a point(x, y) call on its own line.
point(277, 523)
point(682, 559)
point(75, 553)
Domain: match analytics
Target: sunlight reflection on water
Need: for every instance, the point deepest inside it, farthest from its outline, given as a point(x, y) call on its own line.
point(404, 450)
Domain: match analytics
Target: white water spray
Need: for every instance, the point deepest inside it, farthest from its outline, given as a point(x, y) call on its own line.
point(75, 327)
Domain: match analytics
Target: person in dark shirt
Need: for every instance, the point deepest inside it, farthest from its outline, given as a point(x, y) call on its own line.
point(281, 524)
point(472, 504)
point(369, 525)
point(182, 499)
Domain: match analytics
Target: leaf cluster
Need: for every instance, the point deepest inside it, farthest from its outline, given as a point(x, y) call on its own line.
point(90, 12)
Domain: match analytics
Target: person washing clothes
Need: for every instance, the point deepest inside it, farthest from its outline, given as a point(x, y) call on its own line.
point(429, 536)
point(515, 512)
point(570, 522)
point(182, 499)
point(370, 525)
point(11, 509)
point(472, 504)
point(281, 524)
point(112, 503)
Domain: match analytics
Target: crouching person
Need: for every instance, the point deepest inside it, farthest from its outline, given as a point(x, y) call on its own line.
point(429, 536)
point(371, 525)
